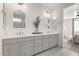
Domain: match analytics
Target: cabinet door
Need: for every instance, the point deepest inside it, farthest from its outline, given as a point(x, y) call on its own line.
point(56, 39)
point(45, 43)
point(28, 48)
point(5, 50)
point(37, 45)
point(20, 49)
point(11, 50)
point(52, 41)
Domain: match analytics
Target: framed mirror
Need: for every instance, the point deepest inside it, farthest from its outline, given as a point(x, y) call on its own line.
point(18, 19)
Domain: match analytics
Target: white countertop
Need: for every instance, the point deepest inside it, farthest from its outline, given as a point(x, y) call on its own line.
point(27, 35)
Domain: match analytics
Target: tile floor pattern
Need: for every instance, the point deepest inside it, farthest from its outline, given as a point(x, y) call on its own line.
point(57, 51)
point(72, 46)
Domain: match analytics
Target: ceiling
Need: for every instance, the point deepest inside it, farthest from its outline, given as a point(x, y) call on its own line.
point(51, 5)
point(56, 5)
point(70, 12)
point(68, 7)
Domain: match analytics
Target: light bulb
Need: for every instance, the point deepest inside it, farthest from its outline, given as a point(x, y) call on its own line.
point(54, 17)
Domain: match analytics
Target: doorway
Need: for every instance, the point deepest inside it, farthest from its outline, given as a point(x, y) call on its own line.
point(70, 30)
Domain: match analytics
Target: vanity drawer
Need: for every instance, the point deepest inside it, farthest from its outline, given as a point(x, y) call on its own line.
point(38, 37)
point(45, 36)
point(10, 41)
point(49, 36)
point(27, 38)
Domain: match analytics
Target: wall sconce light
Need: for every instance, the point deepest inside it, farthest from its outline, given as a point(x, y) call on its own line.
point(46, 14)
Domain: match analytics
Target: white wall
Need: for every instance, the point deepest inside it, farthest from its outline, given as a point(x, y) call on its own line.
point(31, 12)
point(60, 26)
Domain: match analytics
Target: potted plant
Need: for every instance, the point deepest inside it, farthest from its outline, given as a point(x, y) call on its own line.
point(36, 23)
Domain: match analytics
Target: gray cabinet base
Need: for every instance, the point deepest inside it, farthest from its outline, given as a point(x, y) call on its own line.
point(44, 50)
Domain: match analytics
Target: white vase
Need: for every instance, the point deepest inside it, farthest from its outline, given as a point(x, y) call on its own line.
point(36, 30)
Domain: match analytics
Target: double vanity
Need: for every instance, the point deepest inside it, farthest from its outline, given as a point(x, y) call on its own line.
point(29, 45)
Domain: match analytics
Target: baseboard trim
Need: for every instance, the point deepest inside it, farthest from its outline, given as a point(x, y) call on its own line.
point(44, 50)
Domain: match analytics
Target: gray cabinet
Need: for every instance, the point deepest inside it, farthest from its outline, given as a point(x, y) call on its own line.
point(52, 41)
point(18, 46)
point(5, 50)
point(28, 48)
point(11, 50)
point(49, 41)
point(20, 50)
point(37, 44)
point(28, 45)
point(45, 43)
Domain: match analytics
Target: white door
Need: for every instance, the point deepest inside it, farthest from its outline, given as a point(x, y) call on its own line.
point(1, 25)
